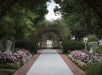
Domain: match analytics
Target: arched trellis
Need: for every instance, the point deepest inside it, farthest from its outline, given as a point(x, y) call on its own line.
point(51, 35)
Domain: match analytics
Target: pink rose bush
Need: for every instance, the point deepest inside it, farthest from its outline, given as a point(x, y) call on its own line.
point(82, 58)
point(20, 56)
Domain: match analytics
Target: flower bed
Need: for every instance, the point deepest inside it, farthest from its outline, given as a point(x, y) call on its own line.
point(15, 60)
point(82, 58)
point(20, 55)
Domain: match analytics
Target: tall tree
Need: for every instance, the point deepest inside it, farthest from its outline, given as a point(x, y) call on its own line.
point(80, 15)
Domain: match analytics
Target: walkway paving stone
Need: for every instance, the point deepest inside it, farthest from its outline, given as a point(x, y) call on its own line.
point(49, 63)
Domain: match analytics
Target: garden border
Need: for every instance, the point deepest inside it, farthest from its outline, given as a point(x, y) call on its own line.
point(75, 69)
point(25, 68)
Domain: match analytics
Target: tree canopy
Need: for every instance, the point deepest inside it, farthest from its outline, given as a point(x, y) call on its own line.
point(80, 17)
point(21, 19)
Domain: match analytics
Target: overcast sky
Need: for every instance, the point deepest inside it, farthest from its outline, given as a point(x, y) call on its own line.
point(51, 15)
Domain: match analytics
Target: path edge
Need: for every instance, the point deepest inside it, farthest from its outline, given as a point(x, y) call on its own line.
point(74, 68)
point(25, 68)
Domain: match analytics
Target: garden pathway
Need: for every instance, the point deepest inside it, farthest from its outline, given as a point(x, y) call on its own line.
point(49, 63)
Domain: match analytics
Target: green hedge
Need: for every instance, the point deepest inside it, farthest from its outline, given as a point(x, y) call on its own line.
point(72, 45)
point(99, 49)
point(7, 71)
point(56, 47)
point(26, 44)
point(9, 66)
point(92, 38)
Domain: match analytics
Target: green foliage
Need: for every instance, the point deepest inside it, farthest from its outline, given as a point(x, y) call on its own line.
point(72, 45)
point(19, 18)
point(57, 47)
point(27, 44)
point(94, 69)
point(75, 22)
point(57, 26)
point(80, 18)
point(7, 71)
point(99, 49)
point(9, 66)
point(92, 38)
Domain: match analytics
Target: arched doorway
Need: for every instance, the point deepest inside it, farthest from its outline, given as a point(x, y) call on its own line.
point(49, 39)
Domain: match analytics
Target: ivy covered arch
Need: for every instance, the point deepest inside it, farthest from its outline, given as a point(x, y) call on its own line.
point(53, 38)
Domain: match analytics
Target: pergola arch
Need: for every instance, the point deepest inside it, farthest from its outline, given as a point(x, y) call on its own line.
point(50, 35)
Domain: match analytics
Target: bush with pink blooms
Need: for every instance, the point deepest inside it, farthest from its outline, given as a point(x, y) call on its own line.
point(23, 55)
point(6, 58)
point(20, 56)
point(82, 58)
point(10, 62)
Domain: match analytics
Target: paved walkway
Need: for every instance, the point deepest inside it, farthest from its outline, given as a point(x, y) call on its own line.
point(49, 63)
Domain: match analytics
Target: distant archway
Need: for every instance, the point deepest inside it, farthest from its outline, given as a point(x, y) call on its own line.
point(49, 39)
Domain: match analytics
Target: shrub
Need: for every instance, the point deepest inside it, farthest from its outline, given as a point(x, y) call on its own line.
point(29, 45)
point(85, 57)
point(56, 47)
point(99, 49)
point(6, 58)
point(94, 69)
point(92, 38)
point(20, 56)
point(72, 45)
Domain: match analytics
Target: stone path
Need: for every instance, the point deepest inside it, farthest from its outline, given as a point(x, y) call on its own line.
point(49, 63)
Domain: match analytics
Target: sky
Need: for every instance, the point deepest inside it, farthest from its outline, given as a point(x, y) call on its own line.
point(51, 15)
